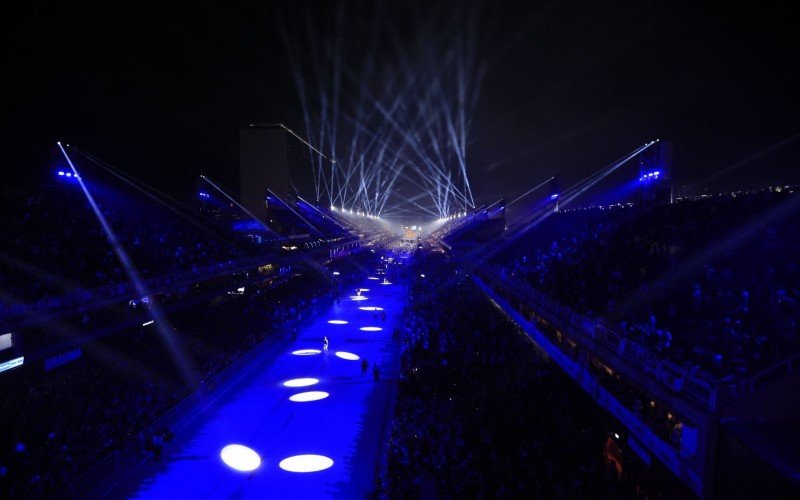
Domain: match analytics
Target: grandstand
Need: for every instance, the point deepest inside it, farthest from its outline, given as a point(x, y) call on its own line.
point(400, 249)
point(675, 317)
point(656, 338)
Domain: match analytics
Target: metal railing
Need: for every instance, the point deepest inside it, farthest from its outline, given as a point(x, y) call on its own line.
point(671, 375)
point(87, 297)
point(762, 378)
point(129, 452)
point(707, 393)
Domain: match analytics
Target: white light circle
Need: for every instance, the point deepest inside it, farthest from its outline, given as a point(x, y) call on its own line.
point(337, 322)
point(240, 457)
point(305, 397)
point(373, 278)
point(370, 328)
point(364, 289)
point(371, 308)
point(306, 463)
point(301, 382)
point(306, 352)
point(347, 355)
point(386, 283)
point(357, 297)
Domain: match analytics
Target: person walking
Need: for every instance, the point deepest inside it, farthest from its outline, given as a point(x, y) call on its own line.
point(376, 373)
point(325, 344)
point(364, 366)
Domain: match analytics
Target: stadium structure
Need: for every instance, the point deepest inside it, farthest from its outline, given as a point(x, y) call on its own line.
point(197, 326)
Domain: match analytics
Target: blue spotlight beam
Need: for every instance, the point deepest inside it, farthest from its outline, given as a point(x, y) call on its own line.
point(526, 193)
point(162, 199)
point(168, 337)
point(404, 105)
point(568, 196)
point(242, 207)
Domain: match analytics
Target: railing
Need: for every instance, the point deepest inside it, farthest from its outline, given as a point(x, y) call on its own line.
point(760, 379)
point(84, 296)
point(669, 374)
point(129, 452)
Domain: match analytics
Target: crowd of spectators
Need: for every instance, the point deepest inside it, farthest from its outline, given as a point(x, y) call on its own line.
point(710, 283)
point(480, 413)
point(53, 243)
point(58, 424)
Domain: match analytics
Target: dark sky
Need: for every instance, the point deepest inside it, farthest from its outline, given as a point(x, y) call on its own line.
point(161, 91)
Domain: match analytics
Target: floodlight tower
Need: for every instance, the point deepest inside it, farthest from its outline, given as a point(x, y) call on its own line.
point(555, 192)
point(655, 166)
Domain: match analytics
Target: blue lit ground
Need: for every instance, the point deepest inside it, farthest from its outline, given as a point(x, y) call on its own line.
point(347, 426)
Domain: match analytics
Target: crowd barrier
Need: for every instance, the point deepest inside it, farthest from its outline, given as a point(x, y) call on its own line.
point(84, 297)
point(674, 377)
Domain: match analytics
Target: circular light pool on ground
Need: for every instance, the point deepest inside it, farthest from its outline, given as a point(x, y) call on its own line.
point(373, 278)
point(357, 297)
point(371, 308)
point(306, 352)
point(386, 283)
point(240, 457)
point(347, 355)
point(370, 328)
point(301, 382)
point(305, 397)
point(306, 463)
point(337, 322)
point(364, 289)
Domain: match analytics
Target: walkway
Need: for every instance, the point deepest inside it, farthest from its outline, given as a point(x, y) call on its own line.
point(255, 411)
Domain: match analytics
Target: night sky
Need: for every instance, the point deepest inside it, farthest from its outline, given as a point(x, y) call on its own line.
point(161, 91)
